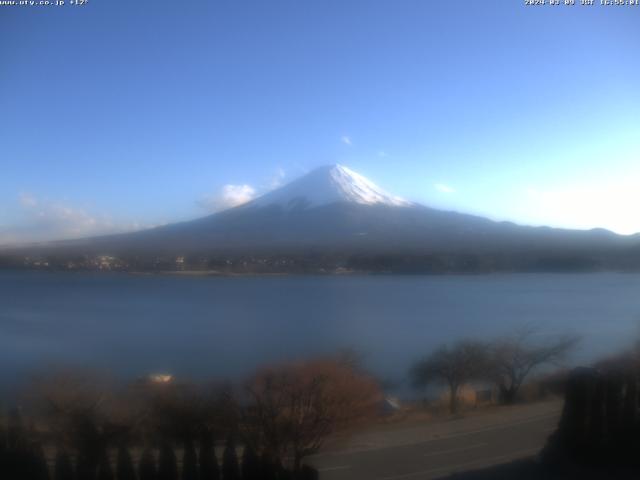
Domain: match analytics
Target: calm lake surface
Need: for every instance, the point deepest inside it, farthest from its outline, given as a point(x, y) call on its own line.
point(224, 327)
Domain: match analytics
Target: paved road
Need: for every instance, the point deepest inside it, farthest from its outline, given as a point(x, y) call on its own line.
point(437, 449)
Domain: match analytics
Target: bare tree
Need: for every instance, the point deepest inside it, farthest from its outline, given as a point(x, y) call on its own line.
point(514, 357)
point(81, 412)
point(292, 408)
point(181, 411)
point(452, 366)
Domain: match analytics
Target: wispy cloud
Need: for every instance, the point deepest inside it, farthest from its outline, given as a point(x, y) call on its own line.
point(382, 154)
point(443, 188)
point(346, 139)
point(27, 200)
point(43, 220)
point(278, 179)
point(229, 196)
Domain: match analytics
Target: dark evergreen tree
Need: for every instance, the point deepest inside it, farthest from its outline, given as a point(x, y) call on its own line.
point(268, 470)
point(284, 474)
point(189, 462)
point(63, 468)
point(3, 445)
point(209, 469)
point(250, 464)
point(230, 467)
point(167, 464)
point(16, 435)
point(308, 473)
point(124, 465)
point(17, 456)
point(86, 465)
point(105, 470)
point(38, 468)
point(147, 467)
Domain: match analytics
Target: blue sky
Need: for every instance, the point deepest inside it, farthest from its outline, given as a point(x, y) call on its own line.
point(121, 114)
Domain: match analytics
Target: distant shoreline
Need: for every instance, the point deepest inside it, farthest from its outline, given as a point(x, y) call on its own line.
point(206, 273)
point(351, 273)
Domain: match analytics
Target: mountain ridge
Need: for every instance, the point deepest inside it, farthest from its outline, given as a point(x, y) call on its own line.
point(336, 213)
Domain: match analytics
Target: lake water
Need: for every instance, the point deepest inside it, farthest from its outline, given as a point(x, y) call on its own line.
point(224, 327)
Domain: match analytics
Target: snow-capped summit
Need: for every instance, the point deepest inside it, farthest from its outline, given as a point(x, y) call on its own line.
point(326, 185)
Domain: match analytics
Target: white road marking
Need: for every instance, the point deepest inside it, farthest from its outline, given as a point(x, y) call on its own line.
point(330, 469)
point(455, 468)
point(455, 450)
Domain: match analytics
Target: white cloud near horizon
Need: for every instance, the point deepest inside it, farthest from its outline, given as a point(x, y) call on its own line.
point(603, 205)
point(229, 196)
point(443, 188)
point(41, 220)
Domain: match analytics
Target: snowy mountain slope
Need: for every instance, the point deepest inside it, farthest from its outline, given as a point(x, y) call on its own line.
point(326, 185)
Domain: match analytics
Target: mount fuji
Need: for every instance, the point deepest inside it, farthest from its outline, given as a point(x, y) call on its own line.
point(326, 185)
point(335, 213)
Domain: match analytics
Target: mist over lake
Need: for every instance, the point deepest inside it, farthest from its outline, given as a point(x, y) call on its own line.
point(224, 327)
